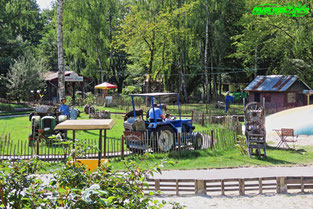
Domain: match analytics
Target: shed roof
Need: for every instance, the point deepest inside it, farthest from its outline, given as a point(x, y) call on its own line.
point(153, 94)
point(53, 76)
point(273, 83)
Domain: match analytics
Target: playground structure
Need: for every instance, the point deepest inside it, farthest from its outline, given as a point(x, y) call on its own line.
point(255, 129)
point(158, 134)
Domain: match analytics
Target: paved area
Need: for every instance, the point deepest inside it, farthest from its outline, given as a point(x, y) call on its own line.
point(250, 172)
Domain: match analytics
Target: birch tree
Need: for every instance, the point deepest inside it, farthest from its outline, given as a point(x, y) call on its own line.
point(61, 79)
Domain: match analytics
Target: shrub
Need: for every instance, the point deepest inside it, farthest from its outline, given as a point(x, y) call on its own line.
point(75, 187)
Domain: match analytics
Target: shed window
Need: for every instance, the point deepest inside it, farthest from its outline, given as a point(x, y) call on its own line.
point(291, 97)
point(267, 98)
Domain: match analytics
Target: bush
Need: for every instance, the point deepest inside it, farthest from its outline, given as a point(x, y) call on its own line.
point(131, 90)
point(75, 187)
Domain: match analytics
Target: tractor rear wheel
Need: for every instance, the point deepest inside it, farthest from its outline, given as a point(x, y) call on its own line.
point(197, 141)
point(163, 139)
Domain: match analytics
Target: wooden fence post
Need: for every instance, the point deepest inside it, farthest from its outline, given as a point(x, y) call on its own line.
point(223, 186)
point(202, 119)
point(177, 187)
point(302, 185)
point(38, 147)
point(241, 187)
point(200, 187)
point(260, 186)
point(157, 184)
point(122, 148)
point(281, 186)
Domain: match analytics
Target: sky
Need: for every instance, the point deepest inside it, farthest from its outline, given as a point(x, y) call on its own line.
point(44, 4)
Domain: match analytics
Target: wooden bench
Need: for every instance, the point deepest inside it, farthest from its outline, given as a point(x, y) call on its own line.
point(286, 135)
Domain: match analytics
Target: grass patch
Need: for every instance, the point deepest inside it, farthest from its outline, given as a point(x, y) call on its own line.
point(226, 159)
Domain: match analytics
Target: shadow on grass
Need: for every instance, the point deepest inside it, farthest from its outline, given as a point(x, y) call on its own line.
point(290, 150)
point(274, 161)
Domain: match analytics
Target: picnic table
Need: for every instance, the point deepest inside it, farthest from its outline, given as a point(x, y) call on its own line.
point(96, 124)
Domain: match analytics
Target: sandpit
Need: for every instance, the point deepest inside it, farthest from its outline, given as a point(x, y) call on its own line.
point(288, 201)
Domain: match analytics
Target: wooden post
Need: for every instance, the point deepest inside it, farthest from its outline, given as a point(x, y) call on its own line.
point(302, 185)
point(281, 186)
point(105, 144)
point(308, 98)
point(73, 139)
point(38, 146)
point(122, 148)
point(157, 184)
point(260, 186)
point(202, 119)
point(212, 140)
point(177, 187)
point(223, 186)
point(100, 147)
point(241, 187)
point(200, 187)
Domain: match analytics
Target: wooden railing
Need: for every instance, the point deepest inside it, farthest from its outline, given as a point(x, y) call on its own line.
point(241, 186)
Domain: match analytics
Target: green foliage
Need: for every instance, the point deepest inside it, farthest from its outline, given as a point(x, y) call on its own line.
point(241, 144)
point(75, 187)
point(131, 90)
point(25, 75)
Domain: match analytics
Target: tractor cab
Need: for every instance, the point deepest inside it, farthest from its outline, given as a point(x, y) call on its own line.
point(157, 133)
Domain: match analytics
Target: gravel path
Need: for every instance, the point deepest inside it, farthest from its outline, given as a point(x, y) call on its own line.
point(226, 173)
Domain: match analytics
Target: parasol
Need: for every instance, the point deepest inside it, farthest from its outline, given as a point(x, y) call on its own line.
point(105, 86)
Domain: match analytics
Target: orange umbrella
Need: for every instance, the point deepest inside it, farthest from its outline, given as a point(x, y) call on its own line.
point(105, 86)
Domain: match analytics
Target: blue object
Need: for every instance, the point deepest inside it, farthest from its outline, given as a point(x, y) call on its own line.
point(178, 125)
point(74, 114)
point(157, 113)
point(65, 110)
point(228, 100)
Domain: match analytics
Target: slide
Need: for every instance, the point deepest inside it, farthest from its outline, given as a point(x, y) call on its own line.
point(300, 119)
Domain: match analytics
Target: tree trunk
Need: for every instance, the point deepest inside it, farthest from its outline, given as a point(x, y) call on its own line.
point(212, 72)
point(61, 79)
point(206, 55)
point(100, 65)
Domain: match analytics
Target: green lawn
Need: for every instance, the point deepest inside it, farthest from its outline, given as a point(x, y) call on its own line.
point(227, 159)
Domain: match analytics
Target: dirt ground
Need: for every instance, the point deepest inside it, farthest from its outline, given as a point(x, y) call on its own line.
point(302, 140)
point(288, 201)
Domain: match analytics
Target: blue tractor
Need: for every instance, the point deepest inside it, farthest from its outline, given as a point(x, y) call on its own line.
point(162, 135)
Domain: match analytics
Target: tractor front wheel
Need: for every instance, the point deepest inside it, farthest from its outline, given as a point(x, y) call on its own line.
point(163, 139)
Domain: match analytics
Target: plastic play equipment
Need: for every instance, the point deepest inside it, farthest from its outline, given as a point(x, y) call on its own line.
point(300, 119)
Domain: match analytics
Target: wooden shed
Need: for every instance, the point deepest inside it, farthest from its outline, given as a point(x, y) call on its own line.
point(277, 92)
point(73, 82)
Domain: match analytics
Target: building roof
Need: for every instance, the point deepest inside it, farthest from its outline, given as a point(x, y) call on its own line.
point(273, 83)
point(153, 94)
point(54, 75)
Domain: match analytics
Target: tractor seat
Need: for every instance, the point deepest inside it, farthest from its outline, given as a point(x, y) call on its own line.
point(152, 120)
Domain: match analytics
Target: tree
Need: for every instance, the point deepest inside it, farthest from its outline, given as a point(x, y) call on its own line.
point(276, 44)
point(26, 74)
point(61, 78)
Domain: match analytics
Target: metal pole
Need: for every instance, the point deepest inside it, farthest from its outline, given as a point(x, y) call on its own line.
point(178, 107)
point(73, 139)
point(105, 143)
point(133, 103)
point(100, 147)
point(152, 103)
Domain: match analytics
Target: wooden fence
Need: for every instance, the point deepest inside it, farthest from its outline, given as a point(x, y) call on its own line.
point(236, 186)
point(111, 148)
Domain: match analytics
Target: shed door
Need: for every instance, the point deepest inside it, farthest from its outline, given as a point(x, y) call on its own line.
point(257, 97)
